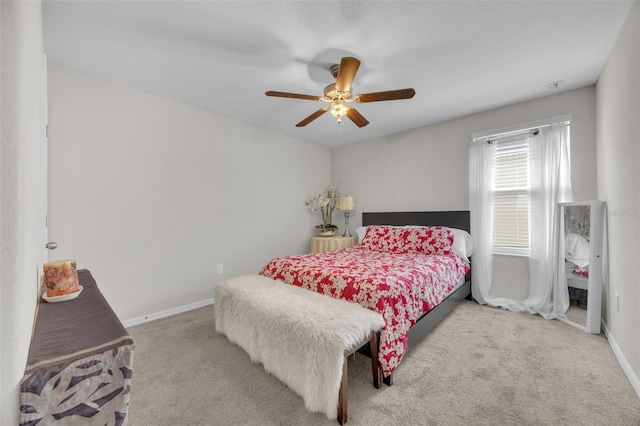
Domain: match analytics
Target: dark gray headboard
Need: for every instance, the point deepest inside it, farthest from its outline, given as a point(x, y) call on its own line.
point(453, 219)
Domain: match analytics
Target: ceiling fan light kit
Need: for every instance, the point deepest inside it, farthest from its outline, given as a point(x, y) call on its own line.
point(340, 92)
point(338, 110)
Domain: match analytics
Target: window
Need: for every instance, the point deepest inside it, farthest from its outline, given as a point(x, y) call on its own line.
point(517, 177)
point(511, 201)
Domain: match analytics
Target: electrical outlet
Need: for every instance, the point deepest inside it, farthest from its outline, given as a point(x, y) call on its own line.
point(617, 302)
point(219, 269)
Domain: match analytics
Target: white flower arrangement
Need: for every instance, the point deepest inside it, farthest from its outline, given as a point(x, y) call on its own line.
point(325, 203)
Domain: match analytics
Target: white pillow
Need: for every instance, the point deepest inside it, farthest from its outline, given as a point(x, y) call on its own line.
point(462, 243)
point(360, 231)
point(576, 249)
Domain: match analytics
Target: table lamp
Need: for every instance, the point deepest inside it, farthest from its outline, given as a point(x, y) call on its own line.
point(346, 203)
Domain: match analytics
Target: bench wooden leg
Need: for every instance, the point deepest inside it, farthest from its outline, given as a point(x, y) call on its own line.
point(375, 367)
point(375, 363)
point(342, 396)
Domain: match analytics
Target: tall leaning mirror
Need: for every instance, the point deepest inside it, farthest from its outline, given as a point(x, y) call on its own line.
point(578, 292)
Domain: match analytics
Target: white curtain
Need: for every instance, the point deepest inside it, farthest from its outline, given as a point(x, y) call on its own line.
point(482, 164)
point(550, 185)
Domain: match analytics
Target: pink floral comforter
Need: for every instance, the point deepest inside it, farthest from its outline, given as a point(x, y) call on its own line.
point(577, 270)
point(400, 286)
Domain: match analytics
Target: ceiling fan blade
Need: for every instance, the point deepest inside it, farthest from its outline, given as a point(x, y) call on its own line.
point(356, 117)
point(312, 117)
point(293, 95)
point(348, 69)
point(390, 95)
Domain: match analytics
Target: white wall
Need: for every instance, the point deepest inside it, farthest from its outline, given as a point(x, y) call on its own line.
point(21, 185)
point(618, 147)
point(428, 168)
point(150, 194)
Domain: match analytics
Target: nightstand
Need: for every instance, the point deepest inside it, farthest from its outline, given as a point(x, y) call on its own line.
point(322, 244)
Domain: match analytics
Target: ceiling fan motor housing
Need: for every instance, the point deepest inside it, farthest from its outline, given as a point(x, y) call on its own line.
point(332, 94)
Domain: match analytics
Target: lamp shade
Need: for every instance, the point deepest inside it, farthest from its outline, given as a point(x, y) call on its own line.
point(346, 202)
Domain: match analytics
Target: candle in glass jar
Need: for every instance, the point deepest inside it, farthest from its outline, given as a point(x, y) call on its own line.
point(61, 277)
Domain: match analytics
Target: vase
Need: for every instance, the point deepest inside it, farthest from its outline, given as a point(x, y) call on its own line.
point(326, 232)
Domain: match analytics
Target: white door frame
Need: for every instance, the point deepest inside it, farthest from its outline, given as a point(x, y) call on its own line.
point(45, 159)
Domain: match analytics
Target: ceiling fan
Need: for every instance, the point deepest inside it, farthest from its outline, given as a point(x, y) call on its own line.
point(340, 93)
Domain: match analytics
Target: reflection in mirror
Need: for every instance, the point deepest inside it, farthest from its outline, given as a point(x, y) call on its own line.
point(578, 291)
point(576, 265)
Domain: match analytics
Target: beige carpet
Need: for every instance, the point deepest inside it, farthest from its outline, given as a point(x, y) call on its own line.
point(480, 366)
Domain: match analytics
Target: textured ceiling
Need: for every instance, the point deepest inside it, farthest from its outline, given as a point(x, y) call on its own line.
point(460, 57)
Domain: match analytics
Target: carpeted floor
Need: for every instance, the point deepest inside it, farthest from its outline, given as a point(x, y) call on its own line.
point(480, 366)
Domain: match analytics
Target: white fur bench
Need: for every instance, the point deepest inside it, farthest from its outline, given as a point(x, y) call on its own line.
point(300, 336)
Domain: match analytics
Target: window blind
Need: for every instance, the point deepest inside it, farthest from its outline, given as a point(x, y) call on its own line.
point(511, 208)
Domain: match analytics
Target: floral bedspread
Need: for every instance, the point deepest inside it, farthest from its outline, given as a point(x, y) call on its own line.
point(400, 286)
point(577, 270)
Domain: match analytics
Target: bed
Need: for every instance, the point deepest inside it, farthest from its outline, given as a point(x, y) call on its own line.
point(386, 282)
point(577, 252)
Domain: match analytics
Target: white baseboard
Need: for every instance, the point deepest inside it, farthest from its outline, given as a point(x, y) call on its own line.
point(167, 313)
point(631, 375)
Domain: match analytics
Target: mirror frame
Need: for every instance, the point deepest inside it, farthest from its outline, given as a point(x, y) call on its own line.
point(594, 295)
